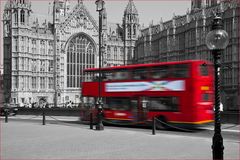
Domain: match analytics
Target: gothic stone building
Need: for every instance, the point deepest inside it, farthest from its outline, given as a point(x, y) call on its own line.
point(33, 70)
point(183, 38)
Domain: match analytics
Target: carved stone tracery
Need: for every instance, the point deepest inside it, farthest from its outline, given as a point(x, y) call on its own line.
point(79, 18)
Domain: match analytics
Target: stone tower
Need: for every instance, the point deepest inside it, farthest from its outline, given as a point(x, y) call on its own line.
point(62, 8)
point(16, 19)
point(131, 30)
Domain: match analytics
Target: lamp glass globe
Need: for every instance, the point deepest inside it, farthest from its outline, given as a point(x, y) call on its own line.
point(217, 39)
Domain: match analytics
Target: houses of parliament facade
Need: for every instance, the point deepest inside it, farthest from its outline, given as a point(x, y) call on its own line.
point(29, 58)
point(33, 70)
point(183, 38)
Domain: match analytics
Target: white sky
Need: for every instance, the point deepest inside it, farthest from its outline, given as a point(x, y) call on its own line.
point(148, 10)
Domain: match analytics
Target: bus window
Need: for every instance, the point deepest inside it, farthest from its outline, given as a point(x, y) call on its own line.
point(160, 72)
point(118, 103)
point(94, 77)
point(204, 70)
point(133, 105)
point(107, 76)
point(181, 71)
point(163, 103)
point(89, 76)
point(120, 75)
point(139, 74)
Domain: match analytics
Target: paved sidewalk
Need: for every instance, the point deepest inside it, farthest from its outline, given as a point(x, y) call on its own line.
point(226, 127)
point(21, 140)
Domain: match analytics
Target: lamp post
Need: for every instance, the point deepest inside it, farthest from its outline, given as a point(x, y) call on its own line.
point(54, 55)
point(99, 104)
point(216, 41)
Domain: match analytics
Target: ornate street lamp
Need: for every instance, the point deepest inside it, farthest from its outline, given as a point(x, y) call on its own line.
point(217, 40)
point(99, 103)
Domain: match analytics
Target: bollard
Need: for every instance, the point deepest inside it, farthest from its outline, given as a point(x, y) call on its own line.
point(6, 116)
point(44, 119)
point(153, 126)
point(91, 120)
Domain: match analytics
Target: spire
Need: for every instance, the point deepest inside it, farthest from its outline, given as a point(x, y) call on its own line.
point(161, 20)
point(49, 8)
point(161, 24)
point(104, 14)
point(131, 8)
point(151, 23)
point(174, 15)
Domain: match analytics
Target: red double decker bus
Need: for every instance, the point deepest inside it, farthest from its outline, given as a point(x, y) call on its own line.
point(176, 93)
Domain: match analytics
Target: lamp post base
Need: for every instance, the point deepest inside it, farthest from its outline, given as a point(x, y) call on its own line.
point(217, 147)
point(99, 127)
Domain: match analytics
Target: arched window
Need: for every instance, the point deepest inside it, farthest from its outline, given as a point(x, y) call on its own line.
point(109, 53)
point(115, 53)
point(42, 47)
point(129, 52)
point(121, 53)
point(16, 17)
point(129, 31)
point(80, 55)
point(22, 18)
point(134, 30)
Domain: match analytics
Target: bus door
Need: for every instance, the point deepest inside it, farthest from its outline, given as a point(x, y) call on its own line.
point(140, 108)
point(134, 107)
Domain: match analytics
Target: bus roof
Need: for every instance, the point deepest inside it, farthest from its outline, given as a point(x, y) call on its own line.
point(144, 65)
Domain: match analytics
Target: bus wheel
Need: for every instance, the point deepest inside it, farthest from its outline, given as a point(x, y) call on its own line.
point(161, 123)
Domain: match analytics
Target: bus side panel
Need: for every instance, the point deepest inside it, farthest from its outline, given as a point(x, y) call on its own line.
point(187, 100)
point(90, 89)
point(204, 100)
point(118, 115)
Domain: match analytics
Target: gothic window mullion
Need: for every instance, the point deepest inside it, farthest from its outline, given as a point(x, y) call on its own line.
point(79, 57)
point(76, 64)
